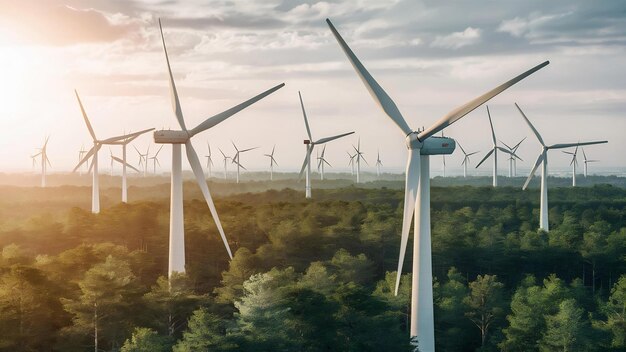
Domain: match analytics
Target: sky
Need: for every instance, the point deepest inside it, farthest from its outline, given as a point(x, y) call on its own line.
point(430, 57)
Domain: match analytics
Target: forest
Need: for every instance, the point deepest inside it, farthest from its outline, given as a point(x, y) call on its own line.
point(312, 275)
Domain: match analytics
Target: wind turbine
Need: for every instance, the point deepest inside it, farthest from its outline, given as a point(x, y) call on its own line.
point(272, 162)
point(310, 144)
point(494, 151)
point(123, 163)
point(176, 139)
point(225, 163)
point(124, 143)
point(236, 158)
point(513, 157)
point(155, 160)
point(421, 145)
point(143, 159)
point(320, 163)
point(209, 161)
point(351, 163)
point(379, 163)
point(45, 162)
point(93, 152)
point(587, 161)
point(543, 160)
point(358, 156)
point(573, 163)
point(81, 152)
point(466, 159)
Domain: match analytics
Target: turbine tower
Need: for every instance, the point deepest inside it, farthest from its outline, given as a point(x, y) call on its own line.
point(155, 160)
point(320, 163)
point(236, 158)
point(417, 193)
point(209, 161)
point(310, 144)
point(272, 162)
point(466, 159)
point(379, 163)
point(543, 160)
point(587, 161)
point(358, 156)
point(225, 163)
point(176, 139)
point(93, 152)
point(494, 151)
point(45, 162)
point(513, 157)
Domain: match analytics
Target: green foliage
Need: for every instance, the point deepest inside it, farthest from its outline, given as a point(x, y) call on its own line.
point(146, 340)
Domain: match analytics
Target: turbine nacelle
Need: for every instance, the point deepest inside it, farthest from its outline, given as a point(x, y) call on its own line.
point(171, 137)
point(307, 142)
point(438, 146)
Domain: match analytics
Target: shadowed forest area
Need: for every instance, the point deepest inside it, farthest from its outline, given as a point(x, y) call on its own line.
point(310, 275)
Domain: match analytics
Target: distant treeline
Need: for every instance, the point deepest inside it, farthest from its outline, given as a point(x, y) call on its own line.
point(314, 275)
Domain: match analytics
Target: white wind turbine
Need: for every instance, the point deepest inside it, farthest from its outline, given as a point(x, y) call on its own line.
point(494, 151)
point(225, 163)
point(236, 158)
point(124, 143)
point(513, 157)
point(417, 193)
point(45, 162)
point(155, 160)
point(123, 163)
point(543, 160)
point(573, 163)
point(351, 163)
point(209, 160)
point(466, 159)
point(81, 152)
point(587, 161)
point(143, 159)
point(358, 156)
point(310, 144)
point(379, 163)
point(272, 162)
point(176, 139)
point(93, 152)
point(320, 163)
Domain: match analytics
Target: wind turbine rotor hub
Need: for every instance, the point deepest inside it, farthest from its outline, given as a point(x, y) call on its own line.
point(171, 137)
point(306, 141)
point(412, 142)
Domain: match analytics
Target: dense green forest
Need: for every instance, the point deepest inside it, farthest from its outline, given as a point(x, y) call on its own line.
point(312, 275)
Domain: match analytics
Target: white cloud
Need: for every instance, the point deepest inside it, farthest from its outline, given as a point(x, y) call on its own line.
point(530, 26)
point(458, 40)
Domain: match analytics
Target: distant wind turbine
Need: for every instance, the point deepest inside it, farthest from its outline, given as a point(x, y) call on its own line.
point(513, 157)
point(587, 161)
point(45, 162)
point(209, 161)
point(226, 158)
point(310, 144)
point(543, 160)
point(236, 159)
point(272, 162)
point(379, 163)
point(358, 156)
point(494, 151)
point(81, 153)
point(177, 139)
point(143, 159)
point(155, 160)
point(320, 163)
point(420, 146)
point(351, 163)
point(466, 158)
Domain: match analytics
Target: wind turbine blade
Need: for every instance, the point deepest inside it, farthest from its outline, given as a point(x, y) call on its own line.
point(493, 133)
point(82, 109)
point(127, 164)
point(518, 144)
point(306, 120)
point(485, 158)
point(410, 197)
point(464, 160)
point(215, 119)
point(249, 149)
point(273, 148)
point(375, 90)
point(224, 155)
point(463, 110)
point(48, 161)
point(237, 163)
point(158, 151)
point(472, 153)
point(540, 159)
point(584, 155)
point(504, 150)
point(192, 157)
point(568, 145)
point(532, 128)
point(328, 139)
point(327, 163)
point(85, 158)
point(506, 145)
point(274, 160)
point(566, 152)
point(304, 164)
point(362, 157)
point(173, 92)
point(463, 150)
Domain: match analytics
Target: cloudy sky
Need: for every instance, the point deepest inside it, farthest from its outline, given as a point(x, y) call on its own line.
point(430, 56)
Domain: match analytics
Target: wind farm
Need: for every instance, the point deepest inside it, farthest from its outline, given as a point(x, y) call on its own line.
point(390, 249)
